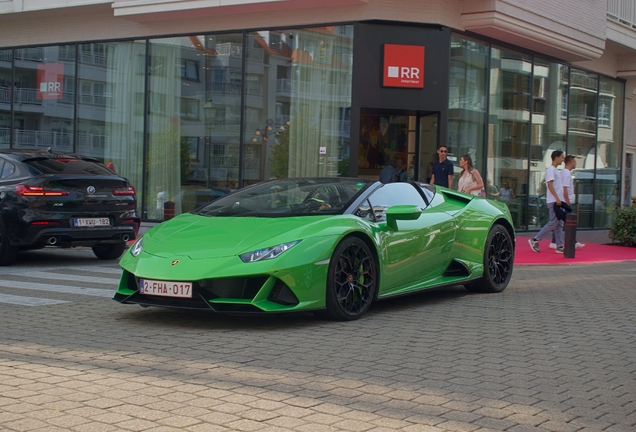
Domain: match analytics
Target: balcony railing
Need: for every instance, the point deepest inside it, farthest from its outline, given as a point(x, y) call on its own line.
point(32, 54)
point(20, 96)
point(584, 124)
point(87, 144)
point(622, 12)
point(38, 139)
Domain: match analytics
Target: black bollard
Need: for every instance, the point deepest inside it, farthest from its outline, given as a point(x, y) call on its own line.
point(571, 221)
point(168, 210)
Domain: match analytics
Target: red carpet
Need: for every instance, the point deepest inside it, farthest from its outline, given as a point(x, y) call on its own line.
point(591, 253)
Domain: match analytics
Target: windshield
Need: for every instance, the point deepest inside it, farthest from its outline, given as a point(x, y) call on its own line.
point(68, 165)
point(289, 197)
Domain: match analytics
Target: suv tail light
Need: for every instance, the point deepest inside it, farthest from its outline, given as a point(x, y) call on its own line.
point(26, 190)
point(133, 221)
point(129, 191)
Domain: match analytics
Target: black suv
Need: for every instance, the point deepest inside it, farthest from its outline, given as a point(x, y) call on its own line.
point(63, 200)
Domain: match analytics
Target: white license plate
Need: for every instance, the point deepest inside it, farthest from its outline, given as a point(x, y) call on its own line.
point(165, 288)
point(91, 222)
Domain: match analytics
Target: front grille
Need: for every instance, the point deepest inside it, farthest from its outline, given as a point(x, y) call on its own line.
point(235, 288)
point(205, 290)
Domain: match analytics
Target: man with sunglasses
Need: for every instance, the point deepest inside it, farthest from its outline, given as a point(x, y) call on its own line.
point(442, 169)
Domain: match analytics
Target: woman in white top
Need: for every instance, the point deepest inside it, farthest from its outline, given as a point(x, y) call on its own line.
point(470, 180)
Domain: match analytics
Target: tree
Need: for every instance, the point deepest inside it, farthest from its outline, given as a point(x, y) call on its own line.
point(279, 161)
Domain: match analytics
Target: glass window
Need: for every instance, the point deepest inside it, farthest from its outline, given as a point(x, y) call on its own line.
point(65, 165)
point(608, 160)
point(582, 127)
point(6, 90)
point(44, 97)
point(549, 130)
point(394, 194)
point(467, 101)
point(509, 129)
point(7, 169)
point(194, 107)
point(110, 123)
point(298, 95)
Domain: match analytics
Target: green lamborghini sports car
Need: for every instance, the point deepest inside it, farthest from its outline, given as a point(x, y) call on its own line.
point(332, 245)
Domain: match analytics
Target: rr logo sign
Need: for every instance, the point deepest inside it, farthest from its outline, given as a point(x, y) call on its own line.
point(50, 81)
point(403, 66)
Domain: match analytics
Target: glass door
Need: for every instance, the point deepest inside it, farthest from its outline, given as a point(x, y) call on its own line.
point(384, 140)
point(428, 142)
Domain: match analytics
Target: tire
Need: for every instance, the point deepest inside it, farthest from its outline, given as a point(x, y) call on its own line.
point(351, 281)
point(109, 251)
point(498, 262)
point(8, 252)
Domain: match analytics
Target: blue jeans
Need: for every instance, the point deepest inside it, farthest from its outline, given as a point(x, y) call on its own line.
point(554, 225)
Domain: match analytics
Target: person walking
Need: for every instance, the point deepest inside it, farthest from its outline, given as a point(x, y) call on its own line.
point(554, 197)
point(568, 192)
point(470, 180)
point(442, 169)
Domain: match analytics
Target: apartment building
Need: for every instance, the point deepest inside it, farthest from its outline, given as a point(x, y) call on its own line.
point(190, 99)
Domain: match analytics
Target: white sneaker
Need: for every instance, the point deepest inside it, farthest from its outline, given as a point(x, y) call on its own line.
point(552, 245)
point(579, 245)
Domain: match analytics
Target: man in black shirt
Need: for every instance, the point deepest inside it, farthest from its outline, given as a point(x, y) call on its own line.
point(442, 169)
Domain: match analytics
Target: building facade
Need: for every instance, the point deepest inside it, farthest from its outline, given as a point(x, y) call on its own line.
point(192, 99)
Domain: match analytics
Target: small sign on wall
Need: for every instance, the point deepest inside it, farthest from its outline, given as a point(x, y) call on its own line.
point(403, 66)
point(323, 150)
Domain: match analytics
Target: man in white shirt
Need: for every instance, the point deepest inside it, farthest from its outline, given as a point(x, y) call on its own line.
point(568, 191)
point(554, 195)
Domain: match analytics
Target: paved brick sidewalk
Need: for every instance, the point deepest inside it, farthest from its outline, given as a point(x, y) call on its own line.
point(555, 352)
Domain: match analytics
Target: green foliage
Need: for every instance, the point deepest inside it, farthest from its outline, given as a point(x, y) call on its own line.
point(279, 162)
point(623, 227)
point(343, 167)
point(184, 156)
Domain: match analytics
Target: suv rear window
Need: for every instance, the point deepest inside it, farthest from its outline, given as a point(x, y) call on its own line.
point(68, 166)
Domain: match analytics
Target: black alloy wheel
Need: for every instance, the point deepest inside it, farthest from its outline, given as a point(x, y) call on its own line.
point(352, 280)
point(109, 251)
point(498, 262)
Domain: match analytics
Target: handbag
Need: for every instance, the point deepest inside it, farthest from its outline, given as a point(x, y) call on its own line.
point(482, 193)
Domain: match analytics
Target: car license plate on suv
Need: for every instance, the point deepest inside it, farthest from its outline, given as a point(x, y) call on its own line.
point(91, 222)
point(165, 288)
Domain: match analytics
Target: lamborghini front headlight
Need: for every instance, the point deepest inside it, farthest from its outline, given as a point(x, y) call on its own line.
point(137, 247)
point(267, 253)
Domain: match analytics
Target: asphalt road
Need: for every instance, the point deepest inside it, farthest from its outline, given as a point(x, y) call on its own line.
point(555, 352)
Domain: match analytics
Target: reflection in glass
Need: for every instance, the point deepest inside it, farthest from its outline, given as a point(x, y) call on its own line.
point(549, 129)
point(6, 90)
point(44, 97)
point(194, 109)
point(467, 101)
point(110, 107)
point(509, 128)
point(608, 161)
point(297, 103)
point(582, 125)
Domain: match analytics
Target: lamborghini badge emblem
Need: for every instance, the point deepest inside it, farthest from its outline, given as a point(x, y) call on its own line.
point(175, 262)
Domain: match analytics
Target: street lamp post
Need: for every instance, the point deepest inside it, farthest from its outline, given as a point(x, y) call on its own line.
point(264, 133)
point(209, 110)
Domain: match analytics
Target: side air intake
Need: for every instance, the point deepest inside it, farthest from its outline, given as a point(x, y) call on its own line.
point(457, 269)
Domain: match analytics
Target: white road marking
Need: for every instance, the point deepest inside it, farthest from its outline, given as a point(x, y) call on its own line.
point(97, 292)
point(28, 301)
point(76, 278)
